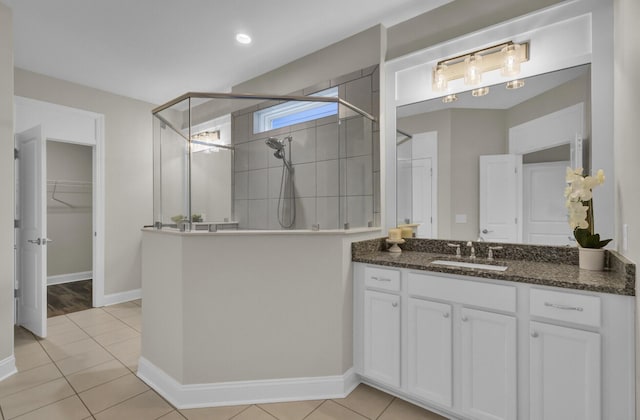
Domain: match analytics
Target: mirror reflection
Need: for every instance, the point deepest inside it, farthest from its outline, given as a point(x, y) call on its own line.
point(492, 167)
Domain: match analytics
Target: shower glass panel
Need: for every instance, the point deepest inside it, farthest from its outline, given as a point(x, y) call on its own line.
point(260, 162)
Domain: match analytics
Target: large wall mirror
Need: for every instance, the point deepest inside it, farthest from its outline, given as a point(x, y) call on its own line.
point(492, 167)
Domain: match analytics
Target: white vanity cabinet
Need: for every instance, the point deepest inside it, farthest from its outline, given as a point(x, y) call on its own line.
point(566, 361)
point(472, 348)
point(381, 338)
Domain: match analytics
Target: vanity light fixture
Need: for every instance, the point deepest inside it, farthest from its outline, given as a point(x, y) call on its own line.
point(480, 91)
point(515, 84)
point(470, 66)
point(450, 98)
point(205, 141)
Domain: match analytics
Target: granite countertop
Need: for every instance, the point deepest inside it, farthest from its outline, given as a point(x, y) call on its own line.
point(548, 266)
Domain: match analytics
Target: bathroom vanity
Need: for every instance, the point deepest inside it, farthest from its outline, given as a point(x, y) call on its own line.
point(540, 340)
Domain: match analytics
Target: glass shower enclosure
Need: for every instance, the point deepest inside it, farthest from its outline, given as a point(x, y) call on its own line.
point(263, 162)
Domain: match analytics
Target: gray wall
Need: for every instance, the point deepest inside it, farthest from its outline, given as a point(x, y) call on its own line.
point(70, 228)
point(626, 144)
point(128, 168)
point(7, 182)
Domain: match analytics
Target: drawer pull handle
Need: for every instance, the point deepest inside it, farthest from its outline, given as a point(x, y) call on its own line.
point(394, 304)
point(380, 278)
point(563, 307)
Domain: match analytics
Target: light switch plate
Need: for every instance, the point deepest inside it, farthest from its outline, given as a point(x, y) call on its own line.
point(461, 218)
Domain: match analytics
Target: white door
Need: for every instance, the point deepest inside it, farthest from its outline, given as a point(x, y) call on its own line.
point(500, 197)
point(544, 215)
point(421, 174)
point(565, 373)
point(382, 337)
point(430, 346)
point(32, 216)
point(488, 365)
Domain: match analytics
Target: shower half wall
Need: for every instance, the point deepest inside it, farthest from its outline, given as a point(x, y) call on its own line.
point(214, 170)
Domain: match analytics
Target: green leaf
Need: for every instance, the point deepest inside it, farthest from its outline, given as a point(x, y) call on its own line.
point(587, 240)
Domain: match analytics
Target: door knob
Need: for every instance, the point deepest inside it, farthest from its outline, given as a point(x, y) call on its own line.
point(445, 315)
point(35, 241)
point(394, 304)
point(534, 334)
point(485, 231)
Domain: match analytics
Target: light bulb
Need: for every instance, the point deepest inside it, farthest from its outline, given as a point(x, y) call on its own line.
point(439, 79)
point(511, 60)
point(480, 91)
point(515, 84)
point(473, 72)
point(450, 98)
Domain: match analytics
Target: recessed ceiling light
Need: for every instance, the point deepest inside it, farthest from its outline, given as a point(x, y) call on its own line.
point(243, 38)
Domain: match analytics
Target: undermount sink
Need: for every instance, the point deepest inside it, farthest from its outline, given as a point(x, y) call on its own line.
point(470, 265)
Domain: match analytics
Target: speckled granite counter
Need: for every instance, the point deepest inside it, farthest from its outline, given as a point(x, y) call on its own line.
point(544, 265)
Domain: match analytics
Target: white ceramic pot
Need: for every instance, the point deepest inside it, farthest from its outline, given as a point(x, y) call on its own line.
point(591, 258)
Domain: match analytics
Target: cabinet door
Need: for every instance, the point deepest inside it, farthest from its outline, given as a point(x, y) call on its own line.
point(382, 337)
point(488, 374)
point(565, 373)
point(429, 352)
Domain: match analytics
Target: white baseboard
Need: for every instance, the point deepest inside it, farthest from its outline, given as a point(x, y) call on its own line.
point(7, 367)
point(120, 297)
point(68, 278)
point(246, 392)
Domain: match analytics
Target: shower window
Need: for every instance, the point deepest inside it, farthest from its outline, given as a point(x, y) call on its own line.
point(293, 112)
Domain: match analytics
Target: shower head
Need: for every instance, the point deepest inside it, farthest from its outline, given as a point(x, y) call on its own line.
point(275, 143)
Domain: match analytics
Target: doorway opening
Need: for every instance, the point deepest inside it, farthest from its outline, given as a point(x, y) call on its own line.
point(69, 227)
point(59, 211)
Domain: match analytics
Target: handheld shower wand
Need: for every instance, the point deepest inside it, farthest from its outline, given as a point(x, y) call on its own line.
point(286, 181)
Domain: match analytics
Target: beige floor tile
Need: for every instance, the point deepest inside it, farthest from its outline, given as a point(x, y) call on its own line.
point(62, 351)
point(174, 415)
point(116, 336)
point(137, 302)
point(366, 400)
point(97, 375)
point(329, 410)
point(145, 406)
point(254, 413)
point(90, 317)
point(131, 361)
point(125, 312)
point(83, 361)
point(213, 413)
point(30, 355)
point(36, 397)
point(134, 322)
point(61, 328)
point(22, 335)
point(71, 335)
point(68, 409)
point(400, 409)
point(28, 379)
point(111, 393)
point(125, 348)
point(297, 410)
point(104, 327)
point(122, 305)
point(57, 320)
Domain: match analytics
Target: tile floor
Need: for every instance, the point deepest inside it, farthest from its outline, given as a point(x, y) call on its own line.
point(85, 369)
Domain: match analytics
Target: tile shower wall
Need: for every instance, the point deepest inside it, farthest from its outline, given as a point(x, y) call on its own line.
point(336, 164)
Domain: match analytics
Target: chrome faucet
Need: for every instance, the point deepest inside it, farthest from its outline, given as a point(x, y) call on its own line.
point(457, 247)
point(472, 253)
point(490, 253)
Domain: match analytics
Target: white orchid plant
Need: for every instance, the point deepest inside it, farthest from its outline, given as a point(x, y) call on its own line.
point(579, 203)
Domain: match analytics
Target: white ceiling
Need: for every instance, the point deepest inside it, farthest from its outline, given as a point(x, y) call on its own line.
point(155, 50)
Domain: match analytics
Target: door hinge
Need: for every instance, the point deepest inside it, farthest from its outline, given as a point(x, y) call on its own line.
point(516, 220)
point(515, 169)
point(16, 224)
point(431, 171)
point(16, 154)
point(16, 293)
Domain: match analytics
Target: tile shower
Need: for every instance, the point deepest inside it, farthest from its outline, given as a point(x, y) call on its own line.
point(335, 175)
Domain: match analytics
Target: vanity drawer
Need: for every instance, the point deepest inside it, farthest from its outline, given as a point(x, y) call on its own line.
point(569, 307)
point(382, 278)
point(486, 295)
